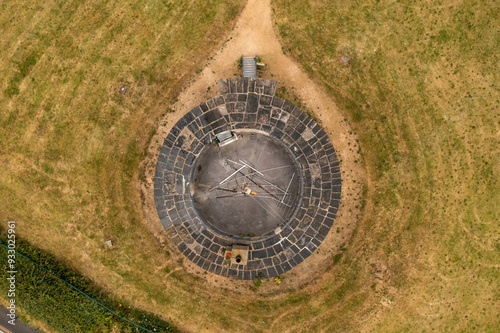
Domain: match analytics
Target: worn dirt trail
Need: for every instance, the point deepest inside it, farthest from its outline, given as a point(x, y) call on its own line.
point(254, 34)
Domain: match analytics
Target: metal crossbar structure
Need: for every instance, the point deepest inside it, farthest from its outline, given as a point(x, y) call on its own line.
point(260, 193)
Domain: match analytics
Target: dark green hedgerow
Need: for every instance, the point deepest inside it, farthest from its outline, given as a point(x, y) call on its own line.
point(46, 297)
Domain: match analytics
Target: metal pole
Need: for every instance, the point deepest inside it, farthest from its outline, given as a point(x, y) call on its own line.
point(222, 182)
point(260, 173)
point(286, 192)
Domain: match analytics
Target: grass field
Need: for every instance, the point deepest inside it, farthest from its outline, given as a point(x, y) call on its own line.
point(71, 142)
point(420, 87)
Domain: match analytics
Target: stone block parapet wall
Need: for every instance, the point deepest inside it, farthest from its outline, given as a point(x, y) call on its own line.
point(248, 104)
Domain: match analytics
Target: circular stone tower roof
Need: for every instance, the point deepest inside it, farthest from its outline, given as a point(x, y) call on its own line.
point(247, 183)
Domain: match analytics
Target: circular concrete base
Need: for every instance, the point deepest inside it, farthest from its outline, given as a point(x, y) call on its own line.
point(248, 187)
point(190, 165)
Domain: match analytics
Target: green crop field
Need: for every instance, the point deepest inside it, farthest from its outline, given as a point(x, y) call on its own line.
point(418, 82)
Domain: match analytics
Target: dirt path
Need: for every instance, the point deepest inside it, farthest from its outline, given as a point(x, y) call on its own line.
point(254, 35)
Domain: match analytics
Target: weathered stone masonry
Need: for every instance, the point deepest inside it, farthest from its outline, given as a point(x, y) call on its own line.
point(248, 104)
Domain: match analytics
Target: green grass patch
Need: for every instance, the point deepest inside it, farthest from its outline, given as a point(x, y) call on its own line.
point(66, 301)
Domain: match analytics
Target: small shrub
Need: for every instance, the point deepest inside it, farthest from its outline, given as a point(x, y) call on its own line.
point(336, 258)
point(258, 280)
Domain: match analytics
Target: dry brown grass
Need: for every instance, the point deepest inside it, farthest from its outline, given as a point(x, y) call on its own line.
point(72, 143)
point(420, 91)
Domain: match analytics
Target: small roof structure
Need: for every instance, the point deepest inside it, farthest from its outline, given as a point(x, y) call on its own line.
point(249, 67)
point(225, 138)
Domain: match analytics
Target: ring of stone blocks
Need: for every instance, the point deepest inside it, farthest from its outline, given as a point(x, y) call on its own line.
point(248, 104)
